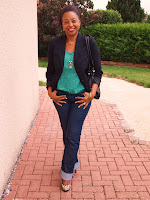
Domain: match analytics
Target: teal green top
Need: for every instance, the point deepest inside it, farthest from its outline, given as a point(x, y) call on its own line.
point(69, 80)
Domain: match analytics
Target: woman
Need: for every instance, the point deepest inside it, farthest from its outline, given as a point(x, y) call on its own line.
point(68, 86)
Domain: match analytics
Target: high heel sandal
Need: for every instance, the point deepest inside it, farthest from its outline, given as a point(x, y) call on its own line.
point(66, 188)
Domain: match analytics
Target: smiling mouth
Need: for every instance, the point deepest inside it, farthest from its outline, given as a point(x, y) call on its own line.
point(71, 29)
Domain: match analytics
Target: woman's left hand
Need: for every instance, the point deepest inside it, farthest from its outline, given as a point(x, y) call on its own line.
point(84, 101)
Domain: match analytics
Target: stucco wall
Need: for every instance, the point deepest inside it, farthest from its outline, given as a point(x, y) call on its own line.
point(18, 79)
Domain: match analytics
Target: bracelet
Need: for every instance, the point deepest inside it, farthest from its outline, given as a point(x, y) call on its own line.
point(90, 95)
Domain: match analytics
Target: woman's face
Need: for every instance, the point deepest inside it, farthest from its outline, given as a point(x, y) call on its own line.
point(71, 23)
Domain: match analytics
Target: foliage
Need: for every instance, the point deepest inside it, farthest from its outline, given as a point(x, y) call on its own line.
point(111, 17)
point(148, 19)
point(130, 10)
point(128, 42)
point(91, 17)
point(48, 26)
point(101, 16)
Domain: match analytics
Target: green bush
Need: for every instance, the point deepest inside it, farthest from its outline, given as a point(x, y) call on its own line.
point(128, 42)
point(111, 17)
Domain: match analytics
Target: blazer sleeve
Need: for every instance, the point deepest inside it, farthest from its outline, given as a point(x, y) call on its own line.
point(50, 69)
point(96, 60)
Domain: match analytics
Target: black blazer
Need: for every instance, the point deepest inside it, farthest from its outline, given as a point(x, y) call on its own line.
point(56, 54)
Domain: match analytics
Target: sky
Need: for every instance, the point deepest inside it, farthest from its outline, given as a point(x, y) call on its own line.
point(101, 4)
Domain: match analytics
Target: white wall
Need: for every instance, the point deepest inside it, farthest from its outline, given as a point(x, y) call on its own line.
point(19, 91)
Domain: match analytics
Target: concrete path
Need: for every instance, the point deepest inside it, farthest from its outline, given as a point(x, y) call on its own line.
point(112, 168)
point(133, 101)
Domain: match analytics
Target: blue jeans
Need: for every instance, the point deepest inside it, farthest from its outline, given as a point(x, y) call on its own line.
point(71, 119)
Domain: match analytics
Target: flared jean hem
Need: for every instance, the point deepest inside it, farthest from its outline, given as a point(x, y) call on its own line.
point(68, 176)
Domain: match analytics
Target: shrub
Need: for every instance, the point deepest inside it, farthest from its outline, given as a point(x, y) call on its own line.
point(91, 17)
point(127, 42)
point(111, 17)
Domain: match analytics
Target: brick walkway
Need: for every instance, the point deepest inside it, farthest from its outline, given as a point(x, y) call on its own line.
point(112, 168)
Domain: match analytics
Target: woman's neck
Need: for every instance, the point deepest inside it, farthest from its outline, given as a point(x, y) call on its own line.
point(71, 39)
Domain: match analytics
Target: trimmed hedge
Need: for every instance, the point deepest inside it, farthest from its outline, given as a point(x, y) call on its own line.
point(128, 42)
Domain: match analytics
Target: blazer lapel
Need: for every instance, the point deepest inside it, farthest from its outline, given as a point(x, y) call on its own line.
point(61, 49)
point(77, 53)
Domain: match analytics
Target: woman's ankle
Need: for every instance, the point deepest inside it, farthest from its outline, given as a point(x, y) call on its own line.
point(64, 182)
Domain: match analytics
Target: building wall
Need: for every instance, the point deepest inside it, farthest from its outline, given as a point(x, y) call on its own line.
point(19, 91)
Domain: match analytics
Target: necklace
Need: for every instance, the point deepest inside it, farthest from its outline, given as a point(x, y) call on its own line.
point(70, 43)
point(70, 61)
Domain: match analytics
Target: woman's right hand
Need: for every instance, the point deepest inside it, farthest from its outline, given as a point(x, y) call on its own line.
point(57, 99)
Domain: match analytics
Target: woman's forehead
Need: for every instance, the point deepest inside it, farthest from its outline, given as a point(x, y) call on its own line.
point(70, 15)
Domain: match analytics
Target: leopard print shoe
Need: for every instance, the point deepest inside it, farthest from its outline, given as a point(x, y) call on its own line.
point(65, 188)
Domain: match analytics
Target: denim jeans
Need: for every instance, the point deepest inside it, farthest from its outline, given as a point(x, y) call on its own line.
point(71, 119)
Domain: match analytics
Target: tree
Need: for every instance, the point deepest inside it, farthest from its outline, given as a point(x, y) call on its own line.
point(130, 10)
point(48, 26)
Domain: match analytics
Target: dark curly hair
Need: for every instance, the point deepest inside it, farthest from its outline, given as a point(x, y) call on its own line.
point(68, 9)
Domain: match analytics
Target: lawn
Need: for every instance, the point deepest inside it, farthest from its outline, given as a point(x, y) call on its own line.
point(41, 83)
point(43, 63)
point(140, 76)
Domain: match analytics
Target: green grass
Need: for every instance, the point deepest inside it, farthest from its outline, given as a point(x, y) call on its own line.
point(43, 63)
point(139, 76)
point(41, 83)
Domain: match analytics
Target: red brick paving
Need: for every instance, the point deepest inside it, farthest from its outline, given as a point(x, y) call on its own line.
point(112, 168)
